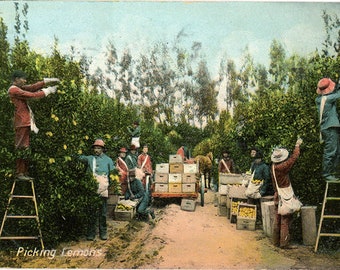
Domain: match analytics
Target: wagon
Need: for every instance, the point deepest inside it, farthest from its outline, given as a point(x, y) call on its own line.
point(172, 188)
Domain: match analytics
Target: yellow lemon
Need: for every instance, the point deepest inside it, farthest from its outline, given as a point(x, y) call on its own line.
point(51, 160)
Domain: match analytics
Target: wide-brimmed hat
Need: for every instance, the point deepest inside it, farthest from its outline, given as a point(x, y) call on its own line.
point(123, 150)
point(18, 74)
point(325, 86)
point(279, 155)
point(99, 142)
point(133, 147)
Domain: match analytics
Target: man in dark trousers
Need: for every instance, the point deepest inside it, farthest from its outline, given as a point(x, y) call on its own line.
point(136, 191)
point(326, 103)
point(19, 94)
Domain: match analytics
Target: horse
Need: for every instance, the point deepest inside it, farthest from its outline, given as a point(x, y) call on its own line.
point(205, 166)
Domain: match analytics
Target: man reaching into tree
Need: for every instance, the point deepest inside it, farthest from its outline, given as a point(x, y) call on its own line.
point(19, 94)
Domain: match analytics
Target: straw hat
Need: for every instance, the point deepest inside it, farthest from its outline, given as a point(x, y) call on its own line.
point(99, 142)
point(279, 155)
point(325, 86)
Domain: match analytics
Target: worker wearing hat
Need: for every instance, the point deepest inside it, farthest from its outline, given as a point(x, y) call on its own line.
point(131, 157)
point(136, 191)
point(135, 133)
point(281, 166)
point(19, 94)
point(122, 169)
point(100, 165)
point(326, 103)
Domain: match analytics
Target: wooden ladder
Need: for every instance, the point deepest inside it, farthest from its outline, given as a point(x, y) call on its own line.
point(13, 216)
point(323, 216)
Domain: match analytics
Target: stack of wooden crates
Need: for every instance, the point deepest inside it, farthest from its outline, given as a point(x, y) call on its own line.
point(227, 181)
point(175, 176)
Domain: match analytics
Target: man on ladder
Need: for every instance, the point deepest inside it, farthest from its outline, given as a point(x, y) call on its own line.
point(326, 101)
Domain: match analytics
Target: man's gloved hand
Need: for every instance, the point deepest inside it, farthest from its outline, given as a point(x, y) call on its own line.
point(51, 80)
point(298, 142)
point(50, 90)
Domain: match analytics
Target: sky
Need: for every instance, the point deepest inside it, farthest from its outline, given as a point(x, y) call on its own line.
point(223, 28)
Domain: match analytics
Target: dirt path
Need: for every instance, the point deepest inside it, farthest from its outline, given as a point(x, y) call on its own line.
point(180, 239)
point(202, 239)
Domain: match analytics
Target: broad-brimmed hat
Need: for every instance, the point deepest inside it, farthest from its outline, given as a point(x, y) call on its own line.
point(123, 150)
point(133, 147)
point(325, 86)
point(279, 155)
point(99, 142)
point(18, 74)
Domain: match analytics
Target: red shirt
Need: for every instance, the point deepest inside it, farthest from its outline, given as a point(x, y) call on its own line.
point(282, 171)
point(147, 168)
point(19, 97)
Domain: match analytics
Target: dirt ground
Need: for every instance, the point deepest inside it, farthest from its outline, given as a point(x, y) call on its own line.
point(178, 240)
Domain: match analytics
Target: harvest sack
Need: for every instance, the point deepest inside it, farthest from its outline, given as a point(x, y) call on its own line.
point(139, 173)
point(288, 202)
point(103, 184)
point(253, 189)
point(135, 142)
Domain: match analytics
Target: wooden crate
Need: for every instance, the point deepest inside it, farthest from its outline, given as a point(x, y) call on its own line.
point(161, 177)
point(230, 178)
point(245, 224)
point(222, 210)
point(222, 199)
point(175, 159)
point(246, 210)
point(175, 178)
point(124, 215)
point(234, 202)
point(162, 168)
point(223, 189)
point(176, 168)
point(160, 187)
point(175, 187)
point(189, 178)
point(188, 204)
point(188, 187)
point(190, 168)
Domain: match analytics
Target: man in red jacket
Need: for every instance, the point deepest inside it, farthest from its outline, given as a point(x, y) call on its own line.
point(19, 94)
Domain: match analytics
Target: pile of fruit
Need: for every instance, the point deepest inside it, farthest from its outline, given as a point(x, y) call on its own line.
point(247, 212)
point(234, 207)
point(126, 205)
point(256, 181)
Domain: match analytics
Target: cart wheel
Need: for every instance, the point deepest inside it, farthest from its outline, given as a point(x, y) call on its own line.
point(202, 190)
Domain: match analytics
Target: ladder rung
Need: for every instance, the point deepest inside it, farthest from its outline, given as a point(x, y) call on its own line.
point(331, 216)
point(22, 196)
point(21, 216)
point(330, 234)
point(19, 237)
point(333, 198)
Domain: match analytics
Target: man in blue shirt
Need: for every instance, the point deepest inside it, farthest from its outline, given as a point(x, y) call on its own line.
point(100, 165)
point(326, 102)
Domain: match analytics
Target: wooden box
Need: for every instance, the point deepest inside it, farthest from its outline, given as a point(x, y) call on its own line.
point(175, 178)
point(189, 177)
point(175, 159)
point(124, 215)
point(190, 168)
point(234, 203)
point(230, 178)
point(162, 168)
point(223, 189)
point(175, 188)
point(245, 224)
point(176, 168)
point(188, 187)
point(160, 187)
point(222, 210)
point(222, 199)
point(247, 211)
point(188, 205)
point(161, 177)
